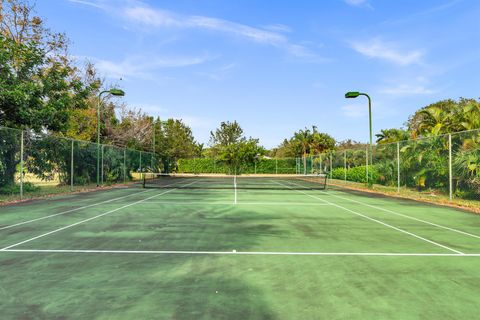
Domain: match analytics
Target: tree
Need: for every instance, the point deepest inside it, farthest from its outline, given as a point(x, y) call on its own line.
point(229, 145)
point(387, 136)
point(306, 142)
point(39, 85)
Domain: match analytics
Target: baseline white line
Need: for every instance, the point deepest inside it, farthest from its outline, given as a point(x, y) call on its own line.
point(385, 254)
point(89, 219)
point(406, 216)
point(173, 203)
point(378, 221)
point(68, 211)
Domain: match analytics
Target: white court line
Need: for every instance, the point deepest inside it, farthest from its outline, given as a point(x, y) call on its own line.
point(258, 253)
point(406, 216)
point(378, 221)
point(89, 219)
point(68, 211)
point(173, 203)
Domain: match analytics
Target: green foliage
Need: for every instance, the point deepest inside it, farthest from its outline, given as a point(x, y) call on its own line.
point(231, 148)
point(15, 188)
point(357, 174)
point(305, 142)
point(262, 166)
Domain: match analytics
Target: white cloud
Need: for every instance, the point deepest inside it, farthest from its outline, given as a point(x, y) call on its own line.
point(354, 111)
point(138, 13)
point(359, 3)
point(407, 89)
point(356, 2)
point(278, 27)
point(142, 66)
point(220, 73)
point(95, 4)
point(387, 51)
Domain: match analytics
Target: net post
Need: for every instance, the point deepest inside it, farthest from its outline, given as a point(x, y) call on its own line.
point(71, 167)
point(21, 164)
point(398, 167)
point(124, 165)
point(450, 176)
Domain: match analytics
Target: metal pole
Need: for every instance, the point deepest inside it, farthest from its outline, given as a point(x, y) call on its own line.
point(276, 166)
point(255, 163)
point(366, 161)
point(345, 165)
point(398, 167)
point(450, 175)
point(21, 165)
point(98, 135)
point(124, 165)
point(141, 169)
point(102, 164)
point(153, 155)
point(370, 125)
point(331, 166)
point(71, 169)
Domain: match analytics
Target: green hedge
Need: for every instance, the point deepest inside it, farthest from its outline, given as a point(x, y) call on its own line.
point(264, 166)
point(356, 174)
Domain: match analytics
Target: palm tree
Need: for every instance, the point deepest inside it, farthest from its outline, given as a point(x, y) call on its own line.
point(391, 135)
point(303, 138)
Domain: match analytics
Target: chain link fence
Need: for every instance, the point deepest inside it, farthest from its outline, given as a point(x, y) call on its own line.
point(35, 164)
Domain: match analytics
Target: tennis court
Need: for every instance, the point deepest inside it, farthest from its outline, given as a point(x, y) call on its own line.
point(226, 248)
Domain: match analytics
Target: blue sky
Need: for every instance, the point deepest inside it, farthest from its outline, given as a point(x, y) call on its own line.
point(278, 66)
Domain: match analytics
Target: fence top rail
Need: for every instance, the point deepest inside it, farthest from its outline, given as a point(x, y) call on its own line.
point(43, 134)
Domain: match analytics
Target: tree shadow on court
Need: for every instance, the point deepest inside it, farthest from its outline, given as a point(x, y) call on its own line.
point(186, 229)
point(130, 287)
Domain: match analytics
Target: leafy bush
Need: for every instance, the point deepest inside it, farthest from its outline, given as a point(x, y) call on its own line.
point(263, 166)
point(356, 174)
point(15, 188)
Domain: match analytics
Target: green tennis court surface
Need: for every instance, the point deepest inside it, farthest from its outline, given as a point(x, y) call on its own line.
point(231, 253)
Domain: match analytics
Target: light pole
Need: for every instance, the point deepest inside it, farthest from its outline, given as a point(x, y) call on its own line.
point(353, 95)
point(114, 92)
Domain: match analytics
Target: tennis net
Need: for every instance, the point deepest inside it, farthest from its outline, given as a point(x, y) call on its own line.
point(216, 181)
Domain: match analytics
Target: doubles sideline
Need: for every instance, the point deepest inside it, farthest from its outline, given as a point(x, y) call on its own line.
point(69, 211)
point(377, 221)
point(406, 216)
point(91, 218)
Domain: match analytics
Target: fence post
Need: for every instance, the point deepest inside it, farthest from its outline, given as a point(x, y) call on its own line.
point(331, 165)
point(345, 165)
point(276, 166)
point(255, 163)
point(21, 165)
point(398, 167)
point(450, 176)
point(124, 165)
point(71, 168)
